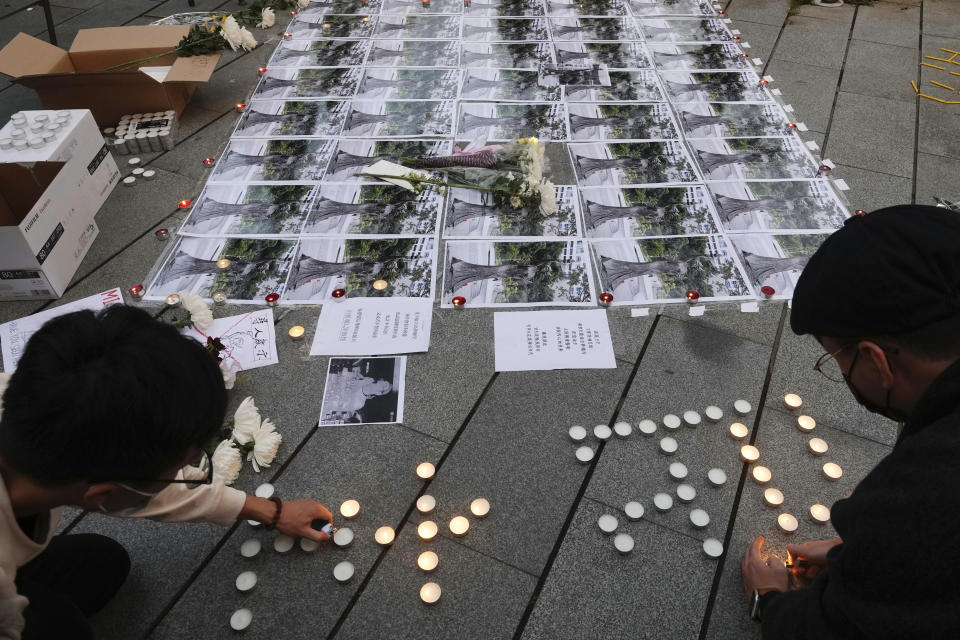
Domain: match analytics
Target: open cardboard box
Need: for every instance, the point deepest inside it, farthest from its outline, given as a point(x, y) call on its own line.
point(76, 79)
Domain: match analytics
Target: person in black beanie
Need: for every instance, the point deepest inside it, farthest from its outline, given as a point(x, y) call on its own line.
point(882, 295)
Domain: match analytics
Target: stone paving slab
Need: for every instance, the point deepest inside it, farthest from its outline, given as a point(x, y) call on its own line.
point(772, 12)
point(940, 18)
point(937, 177)
point(856, 140)
point(899, 65)
point(939, 129)
point(870, 190)
point(813, 41)
point(888, 23)
point(810, 89)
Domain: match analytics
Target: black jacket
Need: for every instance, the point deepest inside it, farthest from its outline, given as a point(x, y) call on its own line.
point(897, 573)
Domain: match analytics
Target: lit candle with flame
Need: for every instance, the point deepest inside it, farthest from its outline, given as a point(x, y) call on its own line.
point(480, 507)
point(427, 530)
point(459, 526)
point(384, 536)
point(430, 592)
point(425, 470)
point(349, 509)
point(428, 561)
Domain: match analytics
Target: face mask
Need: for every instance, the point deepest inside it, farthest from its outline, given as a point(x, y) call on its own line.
point(129, 511)
point(886, 410)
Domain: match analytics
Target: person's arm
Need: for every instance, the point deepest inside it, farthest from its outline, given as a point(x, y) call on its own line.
point(796, 615)
point(12, 605)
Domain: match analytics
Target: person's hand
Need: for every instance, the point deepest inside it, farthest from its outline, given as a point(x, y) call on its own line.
point(811, 557)
point(760, 574)
point(296, 516)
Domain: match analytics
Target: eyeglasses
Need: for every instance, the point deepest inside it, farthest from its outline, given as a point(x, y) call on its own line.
point(827, 365)
point(196, 473)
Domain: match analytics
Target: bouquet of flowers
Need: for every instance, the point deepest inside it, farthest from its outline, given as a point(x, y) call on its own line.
point(245, 435)
point(512, 174)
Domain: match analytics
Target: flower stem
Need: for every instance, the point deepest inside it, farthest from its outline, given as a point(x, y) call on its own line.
point(438, 183)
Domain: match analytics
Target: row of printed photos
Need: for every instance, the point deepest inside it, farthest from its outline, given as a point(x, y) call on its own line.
point(495, 273)
point(522, 53)
point(549, 83)
point(391, 27)
point(302, 272)
point(505, 121)
point(598, 8)
point(378, 209)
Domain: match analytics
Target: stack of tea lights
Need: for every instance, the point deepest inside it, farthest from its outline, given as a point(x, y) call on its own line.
point(143, 133)
point(33, 129)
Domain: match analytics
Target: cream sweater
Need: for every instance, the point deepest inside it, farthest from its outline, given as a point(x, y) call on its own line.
point(215, 503)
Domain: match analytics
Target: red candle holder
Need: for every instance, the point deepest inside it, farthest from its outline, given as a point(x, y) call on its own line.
point(136, 291)
point(288, 35)
point(183, 204)
point(240, 106)
point(338, 293)
point(459, 302)
point(272, 299)
point(763, 81)
point(744, 55)
point(822, 169)
point(721, 12)
point(606, 298)
point(208, 162)
point(791, 125)
point(767, 291)
point(692, 297)
point(162, 235)
point(262, 70)
point(860, 212)
point(736, 37)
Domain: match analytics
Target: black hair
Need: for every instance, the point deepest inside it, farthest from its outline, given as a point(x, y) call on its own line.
point(109, 395)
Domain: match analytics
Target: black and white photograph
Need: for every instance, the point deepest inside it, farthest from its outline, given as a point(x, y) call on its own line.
point(708, 57)
point(716, 86)
point(363, 391)
point(732, 119)
point(633, 163)
point(671, 7)
point(507, 55)
point(273, 160)
point(293, 83)
point(611, 29)
point(647, 211)
point(503, 274)
point(244, 269)
point(614, 55)
point(346, 209)
point(414, 53)
point(318, 9)
point(685, 30)
point(470, 214)
point(776, 260)
point(240, 209)
point(515, 8)
point(597, 84)
point(406, 7)
point(353, 157)
point(496, 121)
point(292, 119)
point(505, 29)
point(753, 158)
point(334, 26)
point(556, 8)
point(320, 53)
point(399, 119)
point(400, 27)
point(409, 84)
point(664, 269)
point(621, 121)
point(510, 85)
point(745, 207)
point(360, 267)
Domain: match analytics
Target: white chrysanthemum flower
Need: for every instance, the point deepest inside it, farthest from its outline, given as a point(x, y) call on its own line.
point(200, 314)
point(266, 441)
point(267, 18)
point(231, 33)
point(229, 369)
point(303, 4)
point(226, 462)
point(548, 197)
point(246, 421)
point(247, 41)
point(516, 202)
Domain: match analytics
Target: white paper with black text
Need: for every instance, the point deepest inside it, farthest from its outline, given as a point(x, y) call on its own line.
point(541, 340)
point(372, 326)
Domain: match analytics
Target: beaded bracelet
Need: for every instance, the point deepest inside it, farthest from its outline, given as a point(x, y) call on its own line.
point(276, 515)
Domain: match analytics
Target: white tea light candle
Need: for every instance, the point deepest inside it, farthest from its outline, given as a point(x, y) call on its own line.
point(773, 497)
point(602, 432)
point(717, 477)
point(787, 523)
point(742, 407)
point(623, 429)
point(818, 446)
point(738, 431)
point(832, 470)
point(480, 507)
point(246, 581)
point(699, 519)
point(647, 427)
point(308, 546)
point(426, 503)
point(577, 433)
point(343, 571)
point(430, 593)
point(283, 543)
point(691, 418)
point(806, 423)
point(623, 543)
point(633, 510)
point(713, 548)
point(384, 536)
point(250, 548)
point(792, 400)
point(428, 561)
point(607, 523)
point(584, 455)
point(265, 490)
point(427, 530)
point(671, 421)
point(459, 526)
point(678, 470)
point(749, 453)
point(761, 474)
point(663, 502)
point(819, 513)
point(713, 413)
point(668, 446)
point(686, 493)
point(349, 509)
point(241, 619)
point(343, 537)
point(296, 332)
point(425, 470)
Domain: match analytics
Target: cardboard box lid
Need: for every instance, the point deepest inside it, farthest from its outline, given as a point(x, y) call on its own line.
point(126, 38)
point(26, 56)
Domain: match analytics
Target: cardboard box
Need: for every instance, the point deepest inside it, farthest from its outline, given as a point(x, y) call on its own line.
point(48, 200)
point(76, 79)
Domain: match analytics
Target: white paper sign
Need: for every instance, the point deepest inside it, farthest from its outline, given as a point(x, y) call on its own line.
point(372, 326)
point(249, 340)
point(539, 340)
point(15, 334)
point(639, 312)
